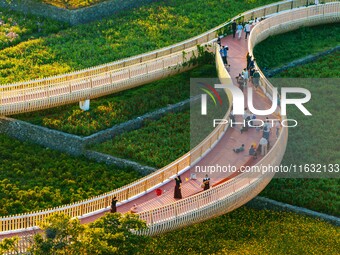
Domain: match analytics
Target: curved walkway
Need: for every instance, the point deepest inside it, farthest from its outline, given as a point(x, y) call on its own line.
point(231, 139)
point(221, 153)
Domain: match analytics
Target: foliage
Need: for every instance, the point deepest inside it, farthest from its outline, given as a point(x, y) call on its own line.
point(49, 178)
point(129, 33)
point(315, 140)
point(71, 4)
point(9, 245)
point(157, 143)
point(281, 49)
point(111, 234)
point(243, 231)
point(249, 231)
point(108, 111)
point(16, 28)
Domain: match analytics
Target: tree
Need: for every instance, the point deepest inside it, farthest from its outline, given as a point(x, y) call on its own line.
point(61, 235)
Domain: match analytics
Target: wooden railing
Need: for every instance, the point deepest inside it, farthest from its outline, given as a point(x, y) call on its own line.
point(244, 187)
point(328, 12)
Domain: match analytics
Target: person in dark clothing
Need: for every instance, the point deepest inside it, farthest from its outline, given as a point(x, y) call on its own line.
point(252, 152)
point(114, 205)
point(248, 57)
point(178, 192)
point(233, 27)
point(206, 182)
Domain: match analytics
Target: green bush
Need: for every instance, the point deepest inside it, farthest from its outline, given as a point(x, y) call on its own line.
point(33, 177)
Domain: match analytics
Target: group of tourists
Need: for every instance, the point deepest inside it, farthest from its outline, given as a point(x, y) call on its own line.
point(178, 185)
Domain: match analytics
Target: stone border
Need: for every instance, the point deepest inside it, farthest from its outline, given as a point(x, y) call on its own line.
point(77, 16)
point(266, 203)
point(301, 61)
point(76, 145)
point(123, 163)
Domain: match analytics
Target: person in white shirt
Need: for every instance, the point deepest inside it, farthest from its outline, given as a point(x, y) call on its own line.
point(263, 142)
point(247, 30)
point(239, 30)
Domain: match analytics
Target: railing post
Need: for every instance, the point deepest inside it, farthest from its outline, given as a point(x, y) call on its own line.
point(162, 176)
point(146, 185)
point(151, 217)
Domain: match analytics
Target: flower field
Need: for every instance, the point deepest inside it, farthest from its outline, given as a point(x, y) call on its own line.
point(16, 28)
point(51, 178)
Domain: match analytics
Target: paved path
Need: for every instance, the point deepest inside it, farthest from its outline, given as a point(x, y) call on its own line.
point(221, 153)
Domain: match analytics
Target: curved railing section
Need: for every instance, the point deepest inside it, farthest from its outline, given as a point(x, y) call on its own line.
point(158, 178)
point(242, 188)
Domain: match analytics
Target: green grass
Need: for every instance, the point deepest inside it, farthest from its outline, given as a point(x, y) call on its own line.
point(157, 144)
point(281, 49)
point(49, 178)
point(16, 27)
point(248, 231)
point(117, 108)
point(127, 34)
point(315, 140)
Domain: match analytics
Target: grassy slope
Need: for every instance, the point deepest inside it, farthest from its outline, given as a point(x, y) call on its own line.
point(157, 144)
point(248, 231)
point(29, 183)
point(315, 140)
point(127, 34)
point(282, 49)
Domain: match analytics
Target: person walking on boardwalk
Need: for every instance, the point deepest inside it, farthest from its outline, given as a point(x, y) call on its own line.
point(206, 182)
point(247, 30)
point(178, 186)
point(263, 142)
point(256, 79)
point(223, 53)
point(239, 30)
point(233, 27)
point(114, 204)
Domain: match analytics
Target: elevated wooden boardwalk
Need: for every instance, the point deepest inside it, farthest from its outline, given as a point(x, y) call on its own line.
point(164, 213)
